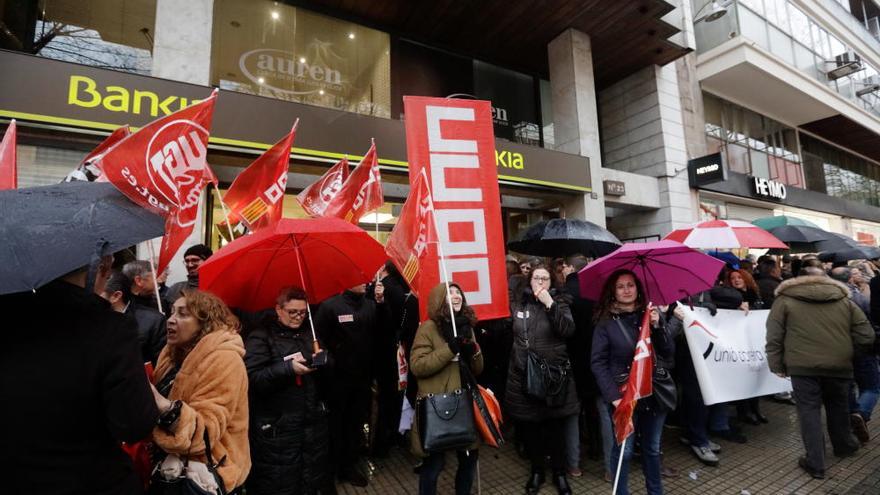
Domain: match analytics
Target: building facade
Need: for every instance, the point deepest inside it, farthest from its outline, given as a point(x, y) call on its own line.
point(598, 111)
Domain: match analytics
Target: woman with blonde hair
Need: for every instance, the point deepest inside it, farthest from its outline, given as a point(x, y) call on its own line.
point(201, 391)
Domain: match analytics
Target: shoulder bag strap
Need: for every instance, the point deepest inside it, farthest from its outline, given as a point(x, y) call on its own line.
point(221, 490)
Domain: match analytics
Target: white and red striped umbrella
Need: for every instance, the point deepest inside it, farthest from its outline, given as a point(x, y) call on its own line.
point(725, 234)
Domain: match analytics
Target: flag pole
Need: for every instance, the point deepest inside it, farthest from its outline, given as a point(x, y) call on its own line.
point(316, 347)
point(440, 253)
point(619, 466)
point(225, 212)
point(152, 254)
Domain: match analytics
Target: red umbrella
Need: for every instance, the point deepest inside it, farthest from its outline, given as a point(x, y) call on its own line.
point(324, 256)
point(725, 234)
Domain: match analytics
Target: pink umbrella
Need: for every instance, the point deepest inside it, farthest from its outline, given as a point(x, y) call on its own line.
point(725, 234)
point(668, 270)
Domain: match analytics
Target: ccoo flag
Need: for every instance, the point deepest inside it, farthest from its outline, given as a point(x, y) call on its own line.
point(361, 193)
point(639, 384)
point(409, 240)
point(315, 198)
point(8, 172)
point(256, 196)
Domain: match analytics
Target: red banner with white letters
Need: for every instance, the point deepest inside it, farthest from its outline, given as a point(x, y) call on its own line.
point(454, 142)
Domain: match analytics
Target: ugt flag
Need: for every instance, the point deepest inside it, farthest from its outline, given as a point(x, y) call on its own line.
point(361, 193)
point(8, 172)
point(639, 383)
point(315, 198)
point(86, 170)
point(409, 240)
point(256, 196)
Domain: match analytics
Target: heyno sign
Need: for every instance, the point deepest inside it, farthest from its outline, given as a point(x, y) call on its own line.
point(767, 188)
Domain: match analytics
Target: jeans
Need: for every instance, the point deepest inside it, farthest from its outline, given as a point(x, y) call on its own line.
point(719, 419)
point(648, 422)
point(572, 441)
point(810, 394)
point(867, 377)
point(433, 465)
point(607, 430)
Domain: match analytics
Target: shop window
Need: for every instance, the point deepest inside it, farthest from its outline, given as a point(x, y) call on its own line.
point(512, 94)
point(43, 166)
point(738, 159)
point(279, 51)
point(386, 217)
point(99, 33)
point(547, 115)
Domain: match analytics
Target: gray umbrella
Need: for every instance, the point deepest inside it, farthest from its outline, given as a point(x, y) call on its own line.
point(800, 239)
point(837, 242)
point(849, 254)
point(564, 237)
point(52, 230)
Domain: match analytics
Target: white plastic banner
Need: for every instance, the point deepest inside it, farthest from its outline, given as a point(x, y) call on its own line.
point(729, 356)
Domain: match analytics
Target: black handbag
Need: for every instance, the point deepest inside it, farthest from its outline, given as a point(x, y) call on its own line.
point(663, 388)
point(545, 381)
point(182, 485)
point(446, 421)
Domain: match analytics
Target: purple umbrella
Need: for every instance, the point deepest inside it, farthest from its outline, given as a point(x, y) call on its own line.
point(668, 270)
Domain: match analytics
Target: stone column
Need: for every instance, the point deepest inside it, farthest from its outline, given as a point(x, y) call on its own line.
point(182, 52)
point(576, 117)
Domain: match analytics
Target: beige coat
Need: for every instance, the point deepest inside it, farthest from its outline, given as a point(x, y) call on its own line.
point(213, 385)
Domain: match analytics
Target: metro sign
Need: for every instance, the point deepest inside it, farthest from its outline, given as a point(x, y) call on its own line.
point(455, 142)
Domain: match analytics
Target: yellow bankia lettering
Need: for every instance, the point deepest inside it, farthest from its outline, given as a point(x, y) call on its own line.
point(83, 91)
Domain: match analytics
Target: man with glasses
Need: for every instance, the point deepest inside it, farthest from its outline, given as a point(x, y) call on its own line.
point(288, 430)
point(192, 259)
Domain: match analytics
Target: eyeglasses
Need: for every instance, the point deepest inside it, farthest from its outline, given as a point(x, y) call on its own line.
point(541, 279)
point(296, 313)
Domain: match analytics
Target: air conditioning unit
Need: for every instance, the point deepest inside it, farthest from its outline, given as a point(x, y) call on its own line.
point(873, 25)
point(844, 64)
point(868, 85)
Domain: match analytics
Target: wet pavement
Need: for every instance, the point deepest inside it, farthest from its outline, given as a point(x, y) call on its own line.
point(766, 464)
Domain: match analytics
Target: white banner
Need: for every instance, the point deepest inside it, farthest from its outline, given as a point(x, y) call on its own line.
point(728, 353)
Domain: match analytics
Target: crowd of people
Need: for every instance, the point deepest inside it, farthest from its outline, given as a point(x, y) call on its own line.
point(237, 400)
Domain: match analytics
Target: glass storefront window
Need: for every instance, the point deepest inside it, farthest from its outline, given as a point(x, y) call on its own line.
point(838, 173)
point(43, 165)
point(290, 53)
point(547, 114)
point(110, 35)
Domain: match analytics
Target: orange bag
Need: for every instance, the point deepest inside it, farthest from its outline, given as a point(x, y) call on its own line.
point(487, 417)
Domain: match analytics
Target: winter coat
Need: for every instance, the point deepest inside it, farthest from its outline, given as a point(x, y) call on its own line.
point(767, 284)
point(151, 330)
point(289, 433)
point(613, 352)
point(544, 332)
point(174, 292)
point(581, 343)
point(213, 385)
point(346, 326)
point(432, 364)
point(73, 388)
point(812, 328)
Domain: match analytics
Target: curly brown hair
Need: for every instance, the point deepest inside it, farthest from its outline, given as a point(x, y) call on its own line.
point(213, 316)
point(607, 299)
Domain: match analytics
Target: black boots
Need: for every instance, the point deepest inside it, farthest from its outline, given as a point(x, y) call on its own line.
point(533, 486)
point(561, 483)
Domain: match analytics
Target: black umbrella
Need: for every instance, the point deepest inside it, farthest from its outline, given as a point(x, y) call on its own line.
point(564, 237)
point(800, 239)
point(837, 242)
point(49, 231)
point(853, 253)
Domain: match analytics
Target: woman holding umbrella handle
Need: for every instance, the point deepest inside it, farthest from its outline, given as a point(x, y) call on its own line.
point(619, 314)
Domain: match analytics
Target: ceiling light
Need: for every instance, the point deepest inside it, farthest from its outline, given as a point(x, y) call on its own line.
point(376, 217)
point(302, 60)
point(351, 36)
point(275, 15)
point(261, 80)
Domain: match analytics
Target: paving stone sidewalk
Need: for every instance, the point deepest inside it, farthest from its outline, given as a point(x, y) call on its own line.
point(767, 464)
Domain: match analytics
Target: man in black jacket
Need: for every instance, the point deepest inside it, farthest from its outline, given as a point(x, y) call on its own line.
point(347, 325)
point(193, 258)
point(74, 387)
point(150, 322)
point(288, 428)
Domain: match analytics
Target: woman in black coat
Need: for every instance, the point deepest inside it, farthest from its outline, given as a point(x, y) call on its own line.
point(289, 435)
point(541, 324)
point(621, 308)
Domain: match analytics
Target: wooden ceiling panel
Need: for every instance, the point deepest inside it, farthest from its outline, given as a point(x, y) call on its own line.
point(626, 35)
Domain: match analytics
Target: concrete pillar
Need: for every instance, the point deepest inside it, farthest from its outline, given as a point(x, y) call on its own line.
point(182, 52)
point(576, 117)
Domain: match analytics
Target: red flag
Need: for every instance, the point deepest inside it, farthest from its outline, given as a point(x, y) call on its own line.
point(256, 196)
point(87, 170)
point(408, 243)
point(639, 384)
point(8, 172)
point(163, 166)
point(315, 198)
point(361, 193)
